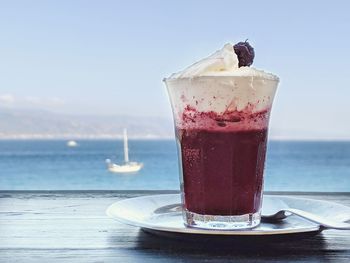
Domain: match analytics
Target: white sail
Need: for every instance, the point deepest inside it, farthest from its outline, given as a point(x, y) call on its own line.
point(126, 150)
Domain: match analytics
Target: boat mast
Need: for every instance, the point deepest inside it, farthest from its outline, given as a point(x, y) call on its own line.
point(126, 151)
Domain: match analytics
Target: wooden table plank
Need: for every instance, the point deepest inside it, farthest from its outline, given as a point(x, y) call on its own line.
point(71, 226)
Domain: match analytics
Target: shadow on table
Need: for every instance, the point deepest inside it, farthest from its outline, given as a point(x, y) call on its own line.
point(294, 247)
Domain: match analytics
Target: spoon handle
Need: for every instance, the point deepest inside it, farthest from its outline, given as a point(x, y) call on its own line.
point(326, 223)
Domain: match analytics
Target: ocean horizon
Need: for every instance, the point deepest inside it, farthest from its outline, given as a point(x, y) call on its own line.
point(47, 164)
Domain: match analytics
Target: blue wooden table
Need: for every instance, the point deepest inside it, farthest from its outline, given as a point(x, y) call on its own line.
point(71, 226)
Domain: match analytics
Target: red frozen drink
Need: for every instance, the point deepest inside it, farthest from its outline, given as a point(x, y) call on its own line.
point(221, 114)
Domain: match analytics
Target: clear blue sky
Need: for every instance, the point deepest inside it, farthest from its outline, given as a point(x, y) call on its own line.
point(109, 57)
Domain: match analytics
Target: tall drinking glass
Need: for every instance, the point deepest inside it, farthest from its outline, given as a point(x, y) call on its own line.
point(221, 125)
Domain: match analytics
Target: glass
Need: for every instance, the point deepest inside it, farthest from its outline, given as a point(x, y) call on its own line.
point(221, 126)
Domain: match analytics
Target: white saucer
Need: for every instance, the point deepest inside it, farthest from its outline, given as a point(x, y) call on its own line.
point(163, 213)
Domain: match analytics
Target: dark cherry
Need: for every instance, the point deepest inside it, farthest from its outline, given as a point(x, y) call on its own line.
point(245, 53)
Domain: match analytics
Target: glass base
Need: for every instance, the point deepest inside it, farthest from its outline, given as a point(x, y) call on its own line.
point(221, 222)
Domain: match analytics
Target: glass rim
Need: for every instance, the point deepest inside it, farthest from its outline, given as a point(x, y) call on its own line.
point(170, 79)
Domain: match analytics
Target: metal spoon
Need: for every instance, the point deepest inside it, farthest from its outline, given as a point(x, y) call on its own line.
point(279, 211)
point(324, 222)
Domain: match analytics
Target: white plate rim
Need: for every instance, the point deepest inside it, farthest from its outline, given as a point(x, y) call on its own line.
point(188, 230)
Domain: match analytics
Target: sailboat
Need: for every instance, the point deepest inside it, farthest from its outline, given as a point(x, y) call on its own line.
point(127, 167)
point(72, 143)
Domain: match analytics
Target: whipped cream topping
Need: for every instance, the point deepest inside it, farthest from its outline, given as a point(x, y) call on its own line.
point(216, 85)
point(223, 62)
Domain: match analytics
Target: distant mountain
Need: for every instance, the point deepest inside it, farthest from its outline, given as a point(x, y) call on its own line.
point(42, 124)
point(26, 124)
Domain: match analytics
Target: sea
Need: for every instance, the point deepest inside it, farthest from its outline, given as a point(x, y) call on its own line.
point(322, 166)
